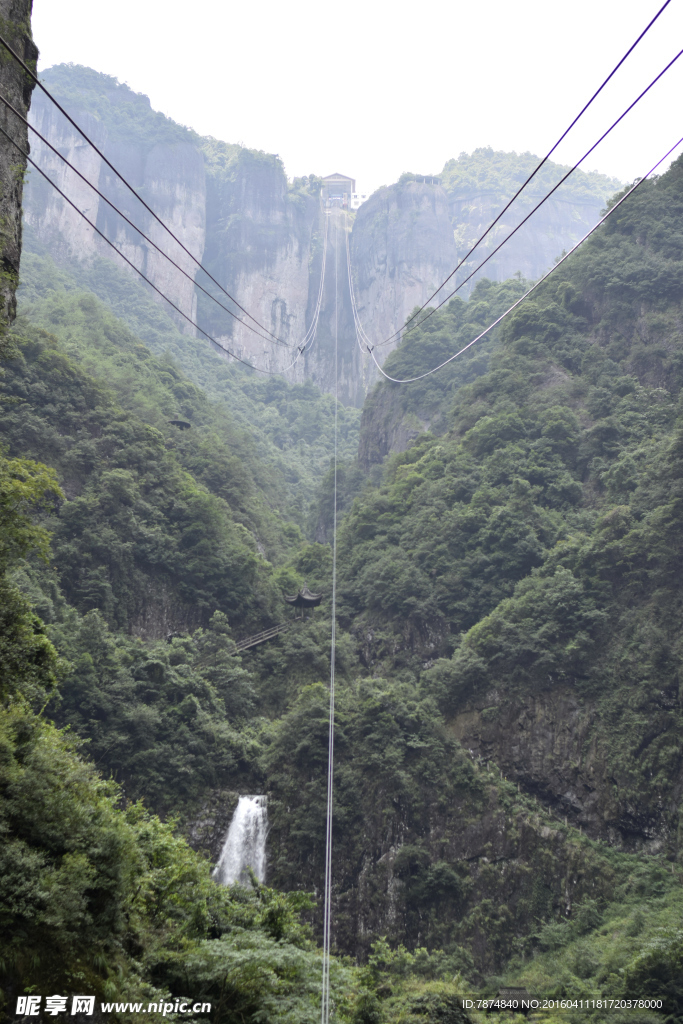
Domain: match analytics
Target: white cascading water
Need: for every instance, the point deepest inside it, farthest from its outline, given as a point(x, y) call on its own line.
point(245, 843)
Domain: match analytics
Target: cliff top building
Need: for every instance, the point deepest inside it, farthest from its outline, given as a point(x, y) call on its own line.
point(338, 189)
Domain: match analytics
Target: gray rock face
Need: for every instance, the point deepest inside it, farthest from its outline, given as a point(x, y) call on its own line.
point(402, 248)
point(170, 175)
point(264, 245)
point(551, 744)
point(15, 25)
point(554, 228)
point(261, 237)
point(386, 428)
point(479, 185)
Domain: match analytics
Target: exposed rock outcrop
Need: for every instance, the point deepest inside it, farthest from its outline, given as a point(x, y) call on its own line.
point(261, 237)
point(16, 86)
point(552, 744)
point(480, 184)
point(386, 427)
point(168, 172)
point(402, 248)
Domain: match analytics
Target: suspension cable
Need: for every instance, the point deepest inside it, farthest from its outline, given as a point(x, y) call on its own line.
point(361, 336)
point(134, 226)
point(538, 205)
point(36, 80)
point(545, 198)
point(532, 175)
point(271, 373)
point(411, 380)
point(312, 330)
point(327, 904)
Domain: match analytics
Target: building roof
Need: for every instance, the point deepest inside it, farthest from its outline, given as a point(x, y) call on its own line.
point(304, 599)
point(338, 179)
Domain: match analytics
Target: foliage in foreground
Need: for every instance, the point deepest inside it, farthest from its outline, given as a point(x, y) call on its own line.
point(533, 538)
point(98, 895)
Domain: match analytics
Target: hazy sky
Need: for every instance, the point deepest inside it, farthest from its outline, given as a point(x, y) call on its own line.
point(390, 87)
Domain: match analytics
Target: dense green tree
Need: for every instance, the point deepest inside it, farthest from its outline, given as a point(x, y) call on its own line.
point(28, 661)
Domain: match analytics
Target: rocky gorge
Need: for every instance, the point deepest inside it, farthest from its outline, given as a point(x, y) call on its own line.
point(508, 765)
point(261, 237)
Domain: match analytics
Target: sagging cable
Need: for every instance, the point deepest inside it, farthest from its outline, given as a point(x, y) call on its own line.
point(411, 380)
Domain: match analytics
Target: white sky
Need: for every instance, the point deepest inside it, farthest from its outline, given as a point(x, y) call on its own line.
point(394, 87)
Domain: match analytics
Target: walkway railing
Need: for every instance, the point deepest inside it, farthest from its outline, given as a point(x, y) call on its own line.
point(259, 638)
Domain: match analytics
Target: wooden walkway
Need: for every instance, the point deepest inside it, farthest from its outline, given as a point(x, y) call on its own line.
point(260, 638)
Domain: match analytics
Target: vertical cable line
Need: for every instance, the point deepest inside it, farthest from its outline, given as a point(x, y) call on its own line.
point(327, 905)
point(313, 329)
point(361, 336)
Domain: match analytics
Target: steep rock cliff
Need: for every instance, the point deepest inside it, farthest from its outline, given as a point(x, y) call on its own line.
point(258, 235)
point(401, 250)
point(480, 184)
point(386, 426)
point(160, 160)
point(15, 25)
point(265, 244)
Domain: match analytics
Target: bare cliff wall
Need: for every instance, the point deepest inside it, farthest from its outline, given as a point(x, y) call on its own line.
point(265, 244)
point(15, 26)
point(402, 248)
point(165, 167)
point(480, 184)
point(261, 237)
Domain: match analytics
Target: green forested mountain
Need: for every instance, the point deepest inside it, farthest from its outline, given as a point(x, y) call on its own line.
point(508, 758)
point(534, 541)
point(289, 428)
point(488, 171)
point(480, 184)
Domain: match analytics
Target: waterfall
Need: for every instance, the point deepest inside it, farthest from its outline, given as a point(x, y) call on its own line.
point(245, 843)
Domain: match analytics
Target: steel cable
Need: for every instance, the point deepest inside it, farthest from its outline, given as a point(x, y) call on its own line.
point(327, 902)
point(272, 373)
point(532, 175)
point(411, 380)
point(36, 80)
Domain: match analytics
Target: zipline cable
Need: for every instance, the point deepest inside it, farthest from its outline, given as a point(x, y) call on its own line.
point(360, 333)
point(133, 225)
point(46, 91)
point(271, 373)
point(411, 380)
point(533, 173)
point(327, 905)
point(312, 330)
point(36, 80)
point(539, 204)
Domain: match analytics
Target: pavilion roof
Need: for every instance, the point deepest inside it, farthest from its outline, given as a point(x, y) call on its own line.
point(304, 599)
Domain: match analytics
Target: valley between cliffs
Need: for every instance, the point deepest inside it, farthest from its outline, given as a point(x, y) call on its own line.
point(509, 556)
